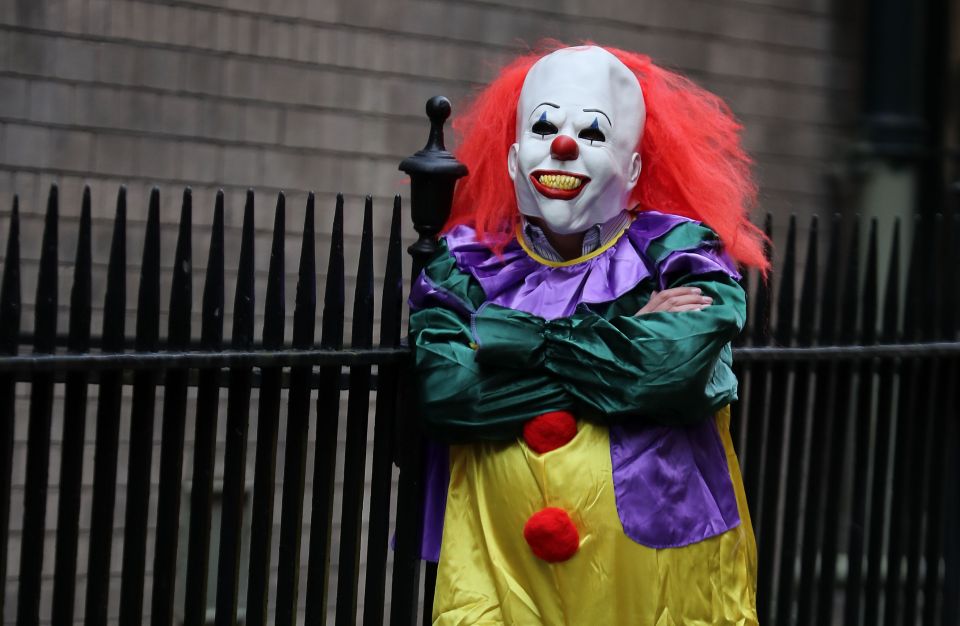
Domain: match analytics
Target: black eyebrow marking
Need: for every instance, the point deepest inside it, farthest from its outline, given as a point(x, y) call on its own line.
point(600, 112)
point(556, 106)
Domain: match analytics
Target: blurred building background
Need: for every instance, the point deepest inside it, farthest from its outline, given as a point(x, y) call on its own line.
point(847, 106)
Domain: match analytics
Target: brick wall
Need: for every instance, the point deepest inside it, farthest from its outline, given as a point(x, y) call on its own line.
point(327, 95)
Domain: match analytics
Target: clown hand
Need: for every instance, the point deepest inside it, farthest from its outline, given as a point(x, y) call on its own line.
point(676, 300)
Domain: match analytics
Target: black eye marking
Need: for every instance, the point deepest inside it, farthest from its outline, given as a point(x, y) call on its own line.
point(593, 133)
point(543, 128)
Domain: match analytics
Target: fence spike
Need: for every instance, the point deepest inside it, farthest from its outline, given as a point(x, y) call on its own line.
point(38, 429)
point(868, 296)
point(795, 456)
point(391, 311)
point(763, 299)
point(813, 520)
point(775, 445)
point(274, 308)
point(204, 445)
point(268, 422)
point(45, 316)
point(74, 425)
point(808, 292)
point(833, 449)
point(951, 304)
point(738, 411)
point(851, 291)
point(355, 449)
point(10, 287)
point(238, 415)
point(328, 417)
point(108, 426)
point(863, 416)
point(756, 398)
point(891, 296)
point(178, 325)
point(945, 374)
point(884, 431)
point(925, 319)
point(906, 443)
point(383, 434)
point(785, 302)
point(332, 336)
point(298, 421)
point(951, 582)
point(828, 297)
point(174, 418)
point(913, 307)
point(745, 335)
point(9, 336)
point(142, 410)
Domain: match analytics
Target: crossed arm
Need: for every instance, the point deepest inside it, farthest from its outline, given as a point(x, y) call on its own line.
point(482, 376)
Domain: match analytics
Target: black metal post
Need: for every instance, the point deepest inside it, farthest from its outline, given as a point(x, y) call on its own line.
point(433, 175)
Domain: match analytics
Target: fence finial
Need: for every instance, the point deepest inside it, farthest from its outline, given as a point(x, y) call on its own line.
point(433, 174)
point(438, 110)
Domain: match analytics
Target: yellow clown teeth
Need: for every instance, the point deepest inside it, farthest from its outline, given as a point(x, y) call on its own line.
point(559, 181)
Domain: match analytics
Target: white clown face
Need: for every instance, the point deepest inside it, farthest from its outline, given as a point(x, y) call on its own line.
point(579, 123)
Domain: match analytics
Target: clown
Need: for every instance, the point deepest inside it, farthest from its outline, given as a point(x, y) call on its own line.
point(572, 347)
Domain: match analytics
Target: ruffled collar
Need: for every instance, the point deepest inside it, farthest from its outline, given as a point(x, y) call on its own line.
point(519, 279)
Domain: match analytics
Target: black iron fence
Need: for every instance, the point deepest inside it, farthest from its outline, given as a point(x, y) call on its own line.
point(847, 427)
point(177, 364)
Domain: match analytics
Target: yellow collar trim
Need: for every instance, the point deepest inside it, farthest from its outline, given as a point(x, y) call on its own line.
point(580, 259)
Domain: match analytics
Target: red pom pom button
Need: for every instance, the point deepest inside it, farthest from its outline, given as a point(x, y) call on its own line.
point(552, 535)
point(550, 431)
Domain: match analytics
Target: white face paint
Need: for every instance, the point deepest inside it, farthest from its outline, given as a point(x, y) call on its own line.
point(579, 122)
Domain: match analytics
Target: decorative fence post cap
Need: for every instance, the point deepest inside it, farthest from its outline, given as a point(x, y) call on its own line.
point(433, 175)
point(435, 159)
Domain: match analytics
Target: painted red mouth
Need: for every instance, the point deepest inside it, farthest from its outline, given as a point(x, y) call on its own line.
point(557, 184)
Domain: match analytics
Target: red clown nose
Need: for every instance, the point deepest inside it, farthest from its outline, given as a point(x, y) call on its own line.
point(564, 148)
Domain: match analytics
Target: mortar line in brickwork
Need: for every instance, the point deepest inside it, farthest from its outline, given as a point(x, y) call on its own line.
point(200, 95)
point(123, 132)
point(700, 76)
point(432, 80)
point(228, 54)
point(513, 9)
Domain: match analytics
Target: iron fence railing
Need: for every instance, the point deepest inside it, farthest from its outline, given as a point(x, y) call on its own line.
point(848, 423)
point(301, 367)
point(847, 426)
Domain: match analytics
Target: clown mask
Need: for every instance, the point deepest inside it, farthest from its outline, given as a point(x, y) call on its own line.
point(579, 122)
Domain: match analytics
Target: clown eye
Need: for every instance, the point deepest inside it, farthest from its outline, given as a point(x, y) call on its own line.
point(592, 134)
point(543, 128)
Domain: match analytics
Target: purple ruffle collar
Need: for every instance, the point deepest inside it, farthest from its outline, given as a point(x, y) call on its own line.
point(519, 281)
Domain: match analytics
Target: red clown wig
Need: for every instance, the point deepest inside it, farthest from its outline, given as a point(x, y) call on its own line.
point(693, 163)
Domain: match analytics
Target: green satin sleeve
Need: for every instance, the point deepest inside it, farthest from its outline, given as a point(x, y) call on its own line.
point(671, 367)
point(462, 399)
point(674, 368)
